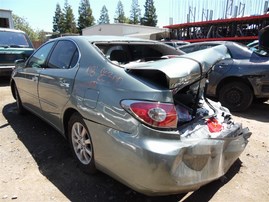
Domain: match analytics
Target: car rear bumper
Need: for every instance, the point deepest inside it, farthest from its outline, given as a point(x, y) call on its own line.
point(260, 85)
point(160, 166)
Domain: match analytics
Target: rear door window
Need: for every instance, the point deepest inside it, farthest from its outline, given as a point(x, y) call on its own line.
point(64, 56)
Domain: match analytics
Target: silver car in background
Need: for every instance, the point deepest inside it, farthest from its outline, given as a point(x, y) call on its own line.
point(133, 109)
point(241, 77)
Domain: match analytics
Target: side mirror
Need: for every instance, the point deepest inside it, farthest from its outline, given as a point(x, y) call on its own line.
point(20, 63)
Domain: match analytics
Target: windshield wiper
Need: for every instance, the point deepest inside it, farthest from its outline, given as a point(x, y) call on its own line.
point(12, 46)
point(16, 46)
point(4, 45)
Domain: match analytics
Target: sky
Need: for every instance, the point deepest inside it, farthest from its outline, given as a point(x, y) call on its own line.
point(39, 13)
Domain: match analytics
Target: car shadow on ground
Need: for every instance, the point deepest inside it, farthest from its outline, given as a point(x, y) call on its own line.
point(257, 111)
point(53, 157)
point(4, 81)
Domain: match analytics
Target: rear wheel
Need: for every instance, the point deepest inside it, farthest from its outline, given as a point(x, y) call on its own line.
point(81, 143)
point(236, 96)
point(20, 108)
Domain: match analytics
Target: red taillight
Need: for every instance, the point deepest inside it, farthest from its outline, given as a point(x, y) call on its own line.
point(162, 115)
point(213, 125)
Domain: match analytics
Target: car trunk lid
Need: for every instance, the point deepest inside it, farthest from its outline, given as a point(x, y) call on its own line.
point(180, 71)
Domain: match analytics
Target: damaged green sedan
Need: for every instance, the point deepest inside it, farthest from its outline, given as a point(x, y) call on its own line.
point(134, 109)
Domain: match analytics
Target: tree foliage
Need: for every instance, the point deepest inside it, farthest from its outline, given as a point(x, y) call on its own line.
point(135, 13)
point(104, 17)
point(120, 15)
point(150, 16)
point(69, 24)
point(85, 18)
point(42, 35)
point(20, 23)
point(57, 19)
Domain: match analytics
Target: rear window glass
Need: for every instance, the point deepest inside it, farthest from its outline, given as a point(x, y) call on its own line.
point(13, 39)
point(132, 52)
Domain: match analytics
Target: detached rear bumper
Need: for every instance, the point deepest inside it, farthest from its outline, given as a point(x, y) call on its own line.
point(159, 166)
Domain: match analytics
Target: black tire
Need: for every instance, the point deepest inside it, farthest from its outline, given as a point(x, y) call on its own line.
point(236, 96)
point(20, 108)
point(81, 143)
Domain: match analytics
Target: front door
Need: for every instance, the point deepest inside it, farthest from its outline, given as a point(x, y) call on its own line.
point(29, 78)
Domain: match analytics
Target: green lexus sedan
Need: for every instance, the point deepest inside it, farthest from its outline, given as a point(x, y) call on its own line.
point(132, 108)
point(14, 45)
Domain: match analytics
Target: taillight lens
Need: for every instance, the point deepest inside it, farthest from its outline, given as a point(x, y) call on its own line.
point(213, 125)
point(156, 114)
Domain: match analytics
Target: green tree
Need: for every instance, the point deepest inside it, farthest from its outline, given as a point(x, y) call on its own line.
point(42, 35)
point(69, 24)
point(150, 16)
point(85, 18)
point(104, 17)
point(21, 24)
point(135, 13)
point(57, 19)
point(120, 16)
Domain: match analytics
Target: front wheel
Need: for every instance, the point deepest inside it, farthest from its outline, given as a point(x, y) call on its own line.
point(20, 108)
point(81, 143)
point(236, 96)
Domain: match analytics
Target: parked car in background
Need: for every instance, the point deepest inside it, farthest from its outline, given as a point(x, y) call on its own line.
point(254, 45)
point(133, 109)
point(175, 43)
point(243, 75)
point(14, 45)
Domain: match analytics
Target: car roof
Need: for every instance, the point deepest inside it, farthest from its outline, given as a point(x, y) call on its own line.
point(103, 38)
point(11, 30)
point(236, 49)
point(209, 42)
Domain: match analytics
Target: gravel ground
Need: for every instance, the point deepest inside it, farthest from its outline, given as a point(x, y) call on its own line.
point(36, 164)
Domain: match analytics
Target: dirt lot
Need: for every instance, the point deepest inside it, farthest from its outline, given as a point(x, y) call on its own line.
point(36, 164)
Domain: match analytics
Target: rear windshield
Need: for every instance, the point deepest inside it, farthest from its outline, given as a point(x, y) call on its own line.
point(130, 52)
point(14, 39)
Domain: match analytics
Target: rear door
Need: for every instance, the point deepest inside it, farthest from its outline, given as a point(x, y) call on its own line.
point(56, 80)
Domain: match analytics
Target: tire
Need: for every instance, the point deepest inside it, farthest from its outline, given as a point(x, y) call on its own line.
point(236, 96)
point(81, 143)
point(20, 108)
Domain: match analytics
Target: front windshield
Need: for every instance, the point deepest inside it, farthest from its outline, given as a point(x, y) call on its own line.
point(13, 39)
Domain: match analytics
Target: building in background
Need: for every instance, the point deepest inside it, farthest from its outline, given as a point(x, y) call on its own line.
point(241, 29)
point(130, 30)
point(229, 20)
point(6, 20)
